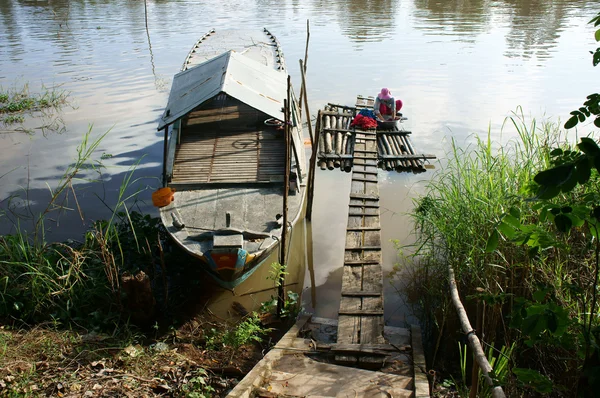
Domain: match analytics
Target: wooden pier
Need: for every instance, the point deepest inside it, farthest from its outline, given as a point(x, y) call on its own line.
point(355, 355)
point(361, 306)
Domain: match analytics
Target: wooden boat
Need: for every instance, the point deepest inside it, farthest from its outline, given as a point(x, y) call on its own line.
point(225, 154)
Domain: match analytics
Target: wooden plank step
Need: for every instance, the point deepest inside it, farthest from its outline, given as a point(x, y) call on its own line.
point(361, 262)
point(370, 206)
point(361, 347)
point(363, 248)
point(360, 293)
point(363, 196)
point(363, 180)
point(365, 151)
point(363, 229)
point(372, 173)
point(362, 214)
point(361, 312)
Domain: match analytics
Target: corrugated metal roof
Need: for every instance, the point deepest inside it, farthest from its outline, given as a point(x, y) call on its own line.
point(254, 84)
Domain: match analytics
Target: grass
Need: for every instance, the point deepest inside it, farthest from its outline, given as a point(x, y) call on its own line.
point(18, 104)
point(482, 186)
point(20, 100)
point(77, 320)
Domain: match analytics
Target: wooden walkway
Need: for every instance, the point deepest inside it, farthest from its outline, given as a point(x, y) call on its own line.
point(330, 358)
point(361, 306)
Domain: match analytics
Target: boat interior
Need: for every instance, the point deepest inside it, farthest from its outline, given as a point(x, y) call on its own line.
point(226, 141)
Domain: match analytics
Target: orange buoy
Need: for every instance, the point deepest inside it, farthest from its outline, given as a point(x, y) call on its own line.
point(163, 196)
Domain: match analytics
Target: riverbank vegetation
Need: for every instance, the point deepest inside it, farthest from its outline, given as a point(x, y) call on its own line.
point(120, 312)
point(525, 255)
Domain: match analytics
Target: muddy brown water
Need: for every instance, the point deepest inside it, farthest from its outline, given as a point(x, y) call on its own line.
point(459, 67)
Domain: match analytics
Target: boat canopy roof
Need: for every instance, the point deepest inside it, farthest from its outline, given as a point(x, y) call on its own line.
point(251, 82)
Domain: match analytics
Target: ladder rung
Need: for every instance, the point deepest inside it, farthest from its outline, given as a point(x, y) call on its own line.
point(372, 173)
point(361, 312)
point(364, 248)
point(363, 229)
point(350, 214)
point(363, 196)
point(365, 151)
point(358, 293)
point(361, 262)
point(363, 180)
point(370, 206)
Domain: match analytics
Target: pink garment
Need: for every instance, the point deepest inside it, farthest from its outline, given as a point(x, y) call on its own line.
point(384, 94)
point(384, 110)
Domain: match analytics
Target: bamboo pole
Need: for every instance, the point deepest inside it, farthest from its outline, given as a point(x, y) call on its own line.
point(303, 68)
point(474, 342)
point(165, 151)
point(313, 143)
point(286, 190)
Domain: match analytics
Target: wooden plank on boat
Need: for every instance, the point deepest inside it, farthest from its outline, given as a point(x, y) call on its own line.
point(363, 196)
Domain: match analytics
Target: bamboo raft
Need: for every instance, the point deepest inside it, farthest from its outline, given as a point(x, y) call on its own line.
point(337, 141)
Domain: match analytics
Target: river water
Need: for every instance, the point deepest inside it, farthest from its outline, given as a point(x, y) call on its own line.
point(460, 67)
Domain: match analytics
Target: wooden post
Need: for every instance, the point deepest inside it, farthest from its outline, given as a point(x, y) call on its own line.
point(286, 189)
point(303, 69)
point(165, 150)
point(313, 144)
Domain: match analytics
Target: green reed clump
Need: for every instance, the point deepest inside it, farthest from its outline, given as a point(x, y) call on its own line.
point(20, 99)
point(483, 189)
point(80, 282)
point(465, 198)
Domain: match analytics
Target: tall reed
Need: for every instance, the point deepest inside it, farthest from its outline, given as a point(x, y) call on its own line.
point(41, 281)
point(481, 185)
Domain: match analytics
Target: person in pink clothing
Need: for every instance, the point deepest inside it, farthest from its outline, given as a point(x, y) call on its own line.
point(386, 106)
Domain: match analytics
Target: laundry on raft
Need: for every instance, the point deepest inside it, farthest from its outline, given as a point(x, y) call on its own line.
point(365, 120)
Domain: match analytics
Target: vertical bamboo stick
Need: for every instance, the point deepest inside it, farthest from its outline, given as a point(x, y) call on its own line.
point(286, 189)
point(313, 154)
point(303, 67)
point(165, 151)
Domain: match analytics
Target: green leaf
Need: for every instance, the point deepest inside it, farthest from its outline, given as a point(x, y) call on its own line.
point(511, 220)
point(506, 230)
point(588, 146)
point(597, 35)
point(540, 295)
point(556, 152)
point(569, 184)
point(515, 212)
point(597, 122)
point(572, 122)
point(547, 192)
point(535, 379)
point(563, 223)
point(554, 176)
point(584, 170)
point(492, 242)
